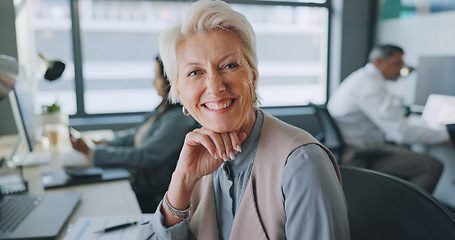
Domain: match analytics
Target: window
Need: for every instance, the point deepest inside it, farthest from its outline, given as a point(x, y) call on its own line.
point(110, 45)
point(52, 32)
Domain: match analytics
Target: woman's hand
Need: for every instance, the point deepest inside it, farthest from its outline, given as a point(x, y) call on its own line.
point(203, 152)
point(103, 142)
point(81, 146)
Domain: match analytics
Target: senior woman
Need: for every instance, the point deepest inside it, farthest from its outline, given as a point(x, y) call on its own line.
point(244, 174)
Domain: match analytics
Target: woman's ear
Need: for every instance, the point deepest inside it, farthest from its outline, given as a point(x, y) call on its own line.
point(176, 89)
point(255, 80)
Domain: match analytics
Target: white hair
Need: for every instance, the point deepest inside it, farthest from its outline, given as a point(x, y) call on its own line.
point(206, 16)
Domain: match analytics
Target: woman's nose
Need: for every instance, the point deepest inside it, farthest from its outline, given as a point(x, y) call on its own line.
point(215, 84)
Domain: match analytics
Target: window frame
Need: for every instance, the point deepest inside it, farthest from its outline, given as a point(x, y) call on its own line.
point(80, 118)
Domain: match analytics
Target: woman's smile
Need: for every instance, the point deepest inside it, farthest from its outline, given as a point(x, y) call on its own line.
point(219, 105)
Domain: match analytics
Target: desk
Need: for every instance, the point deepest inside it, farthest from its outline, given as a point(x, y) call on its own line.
point(445, 190)
point(98, 199)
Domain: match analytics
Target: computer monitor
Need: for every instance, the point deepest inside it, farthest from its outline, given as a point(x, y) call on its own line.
point(21, 99)
point(435, 75)
point(21, 121)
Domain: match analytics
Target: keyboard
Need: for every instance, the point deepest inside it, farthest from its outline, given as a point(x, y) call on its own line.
point(85, 172)
point(14, 209)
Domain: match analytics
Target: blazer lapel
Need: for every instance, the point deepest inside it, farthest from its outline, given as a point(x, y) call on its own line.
point(203, 224)
point(247, 224)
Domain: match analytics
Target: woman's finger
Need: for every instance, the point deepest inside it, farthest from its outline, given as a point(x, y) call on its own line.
point(236, 141)
point(216, 139)
point(195, 138)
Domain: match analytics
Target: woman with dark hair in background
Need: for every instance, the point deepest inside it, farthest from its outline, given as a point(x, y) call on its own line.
point(149, 151)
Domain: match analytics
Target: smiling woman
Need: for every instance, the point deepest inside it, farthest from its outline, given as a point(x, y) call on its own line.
point(244, 174)
point(216, 86)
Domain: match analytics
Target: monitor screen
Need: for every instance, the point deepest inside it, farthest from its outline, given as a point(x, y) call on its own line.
point(435, 75)
point(21, 99)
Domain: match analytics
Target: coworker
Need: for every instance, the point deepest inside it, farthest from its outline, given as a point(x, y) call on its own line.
point(369, 117)
point(244, 174)
point(149, 151)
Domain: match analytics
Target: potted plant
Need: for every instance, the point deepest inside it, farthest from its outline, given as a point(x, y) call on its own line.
point(53, 123)
point(51, 114)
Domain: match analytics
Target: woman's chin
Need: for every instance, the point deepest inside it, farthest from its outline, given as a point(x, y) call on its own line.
point(218, 127)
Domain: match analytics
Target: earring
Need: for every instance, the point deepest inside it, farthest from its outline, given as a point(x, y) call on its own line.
point(184, 111)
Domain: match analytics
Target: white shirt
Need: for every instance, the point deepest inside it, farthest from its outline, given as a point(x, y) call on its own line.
point(368, 115)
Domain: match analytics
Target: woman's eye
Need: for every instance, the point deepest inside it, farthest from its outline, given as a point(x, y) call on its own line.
point(231, 65)
point(194, 73)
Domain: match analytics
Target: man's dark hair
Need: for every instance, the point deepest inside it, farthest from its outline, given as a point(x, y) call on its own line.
point(158, 59)
point(384, 52)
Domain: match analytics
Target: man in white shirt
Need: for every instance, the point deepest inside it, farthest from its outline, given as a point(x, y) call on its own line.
point(369, 117)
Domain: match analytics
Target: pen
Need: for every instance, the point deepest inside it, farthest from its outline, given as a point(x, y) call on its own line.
point(113, 228)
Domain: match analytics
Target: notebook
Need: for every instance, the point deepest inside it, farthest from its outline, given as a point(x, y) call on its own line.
point(41, 216)
point(63, 178)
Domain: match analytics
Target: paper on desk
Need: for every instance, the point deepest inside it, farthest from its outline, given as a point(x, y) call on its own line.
point(85, 227)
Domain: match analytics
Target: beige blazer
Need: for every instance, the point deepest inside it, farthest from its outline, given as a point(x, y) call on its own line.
point(261, 212)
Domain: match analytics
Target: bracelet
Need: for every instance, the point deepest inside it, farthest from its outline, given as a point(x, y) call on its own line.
point(174, 211)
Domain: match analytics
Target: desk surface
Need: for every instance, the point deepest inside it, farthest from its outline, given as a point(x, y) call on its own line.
point(111, 198)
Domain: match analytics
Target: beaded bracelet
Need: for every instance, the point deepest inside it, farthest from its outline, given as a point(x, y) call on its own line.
point(174, 211)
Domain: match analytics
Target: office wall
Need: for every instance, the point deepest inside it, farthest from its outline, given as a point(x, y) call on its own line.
point(430, 35)
point(352, 36)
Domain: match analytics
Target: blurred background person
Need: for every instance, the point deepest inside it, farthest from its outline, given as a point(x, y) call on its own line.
point(149, 151)
point(370, 118)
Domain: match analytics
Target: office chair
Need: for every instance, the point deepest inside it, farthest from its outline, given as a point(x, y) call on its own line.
point(382, 206)
point(331, 138)
point(330, 135)
point(451, 130)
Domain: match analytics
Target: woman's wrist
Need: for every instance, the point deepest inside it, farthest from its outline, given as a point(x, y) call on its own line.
point(182, 184)
point(177, 199)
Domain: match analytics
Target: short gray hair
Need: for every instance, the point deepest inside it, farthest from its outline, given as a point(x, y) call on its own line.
point(206, 16)
point(384, 52)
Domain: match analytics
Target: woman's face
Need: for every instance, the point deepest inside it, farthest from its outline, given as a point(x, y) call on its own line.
point(215, 82)
point(159, 82)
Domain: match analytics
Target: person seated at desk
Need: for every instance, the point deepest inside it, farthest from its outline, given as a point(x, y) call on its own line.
point(149, 151)
point(244, 174)
point(368, 117)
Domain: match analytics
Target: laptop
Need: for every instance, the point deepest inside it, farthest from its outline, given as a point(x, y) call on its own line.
point(439, 111)
point(40, 216)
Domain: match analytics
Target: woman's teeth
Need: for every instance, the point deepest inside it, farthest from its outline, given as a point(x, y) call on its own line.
point(213, 106)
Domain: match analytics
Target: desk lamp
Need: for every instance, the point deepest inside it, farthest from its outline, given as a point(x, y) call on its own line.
point(52, 69)
point(9, 69)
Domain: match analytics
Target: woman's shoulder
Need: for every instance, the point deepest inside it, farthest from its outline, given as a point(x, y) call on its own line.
point(275, 128)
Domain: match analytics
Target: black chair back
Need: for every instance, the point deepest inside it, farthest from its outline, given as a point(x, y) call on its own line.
point(451, 130)
point(381, 206)
point(330, 136)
